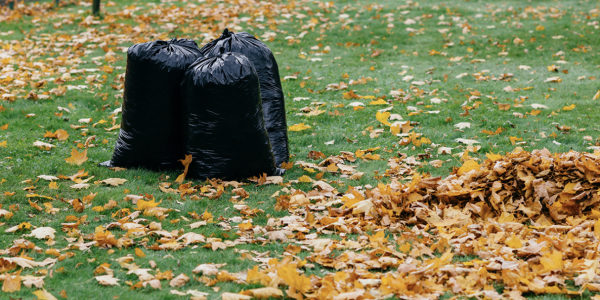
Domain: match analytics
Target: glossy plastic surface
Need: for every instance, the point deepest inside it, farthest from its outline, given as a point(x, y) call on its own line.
point(151, 129)
point(223, 119)
point(270, 84)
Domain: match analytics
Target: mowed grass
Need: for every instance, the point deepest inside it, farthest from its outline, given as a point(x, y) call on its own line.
point(368, 31)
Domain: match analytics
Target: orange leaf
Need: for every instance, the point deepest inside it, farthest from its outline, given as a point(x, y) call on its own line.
point(77, 158)
point(514, 139)
point(139, 252)
point(186, 164)
point(498, 131)
point(61, 135)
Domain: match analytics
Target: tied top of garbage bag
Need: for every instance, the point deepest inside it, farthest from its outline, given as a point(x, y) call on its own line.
point(151, 130)
point(270, 84)
point(223, 119)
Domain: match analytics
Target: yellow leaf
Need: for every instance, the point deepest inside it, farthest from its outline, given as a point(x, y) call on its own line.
point(139, 252)
point(597, 229)
point(506, 218)
point(395, 129)
point(597, 95)
point(378, 102)
point(11, 284)
point(514, 242)
point(114, 181)
point(540, 28)
point(245, 226)
point(304, 178)
point(383, 117)
point(332, 168)
point(233, 296)
point(359, 153)
point(266, 293)
point(535, 112)
point(552, 262)
point(493, 157)
point(570, 107)
point(45, 295)
point(4, 127)
point(298, 127)
point(107, 69)
point(3, 144)
point(142, 204)
point(405, 248)
point(206, 215)
point(77, 158)
point(291, 277)
point(468, 166)
point(372, 156)
point(53, 185)
point(186, 164)
point(514, 139)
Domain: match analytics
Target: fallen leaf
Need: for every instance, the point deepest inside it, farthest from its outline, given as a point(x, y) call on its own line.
point(77, 158)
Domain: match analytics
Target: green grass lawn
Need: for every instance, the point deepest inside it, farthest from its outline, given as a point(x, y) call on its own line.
point(430, 62)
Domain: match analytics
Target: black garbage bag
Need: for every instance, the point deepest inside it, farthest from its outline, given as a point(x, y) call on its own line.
point(270, 84)
point(223, 119)
point(151, 129)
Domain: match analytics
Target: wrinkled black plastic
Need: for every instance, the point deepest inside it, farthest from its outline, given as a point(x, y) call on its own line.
point(151, 130)
point(270, 84)
point(223, 119)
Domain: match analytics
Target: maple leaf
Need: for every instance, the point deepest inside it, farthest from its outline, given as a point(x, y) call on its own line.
point(232, 296)
point(114, 181)
point(498, 131)
point(143, 204)
point(514, 139)
point(179, 281)
point(186, 164)
point(12, 283)
point(43, 233)
point(192, 238)
point(463, 125)
point(552, 261)
point(107, 280)
point(208, 269)
point(293, 279)
point(298, 127)
point(77, 158)
point(378, 102)
point(31, 281)
point(351, 95)
point(468, 166)
point(45, 295)
point(139, 252)
point(383, 117)
point(265, 293)
point(43, 145)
